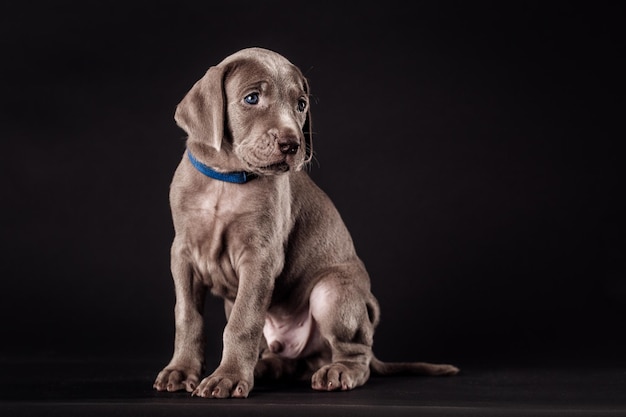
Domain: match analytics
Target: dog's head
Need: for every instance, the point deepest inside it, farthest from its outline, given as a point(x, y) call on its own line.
point(254, 105)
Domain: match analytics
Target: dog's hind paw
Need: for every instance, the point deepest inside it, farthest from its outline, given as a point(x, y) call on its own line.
point(339, 376)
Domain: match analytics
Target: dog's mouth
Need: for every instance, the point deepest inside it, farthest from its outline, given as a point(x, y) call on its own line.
point(280, 166)
point(277, 167)
point(269, 169)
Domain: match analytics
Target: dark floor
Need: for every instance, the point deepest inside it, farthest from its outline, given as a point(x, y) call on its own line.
point(96, 387)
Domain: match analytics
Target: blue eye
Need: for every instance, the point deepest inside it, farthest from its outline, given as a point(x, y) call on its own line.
point(301, 105)
point(252, 98)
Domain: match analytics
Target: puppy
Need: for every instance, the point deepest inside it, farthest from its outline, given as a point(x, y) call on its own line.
point(252, 228)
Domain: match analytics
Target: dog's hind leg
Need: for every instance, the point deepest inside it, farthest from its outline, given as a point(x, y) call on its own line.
point(346, 315)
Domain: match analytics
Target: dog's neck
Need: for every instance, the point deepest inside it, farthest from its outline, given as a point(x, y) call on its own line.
point(235, 177)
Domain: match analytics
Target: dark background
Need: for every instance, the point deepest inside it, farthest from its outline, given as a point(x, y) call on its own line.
point(471, 147)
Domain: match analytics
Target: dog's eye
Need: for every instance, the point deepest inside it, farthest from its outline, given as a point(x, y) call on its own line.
point(301, 105)
point(252, 98)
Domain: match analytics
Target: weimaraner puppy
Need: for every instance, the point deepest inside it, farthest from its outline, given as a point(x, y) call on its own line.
point(252, 228)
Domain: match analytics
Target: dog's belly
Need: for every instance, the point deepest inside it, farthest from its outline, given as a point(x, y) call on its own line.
point(292, 336)
point(296, 335)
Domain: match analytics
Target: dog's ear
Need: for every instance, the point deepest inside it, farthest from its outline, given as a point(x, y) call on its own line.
point(201, 112)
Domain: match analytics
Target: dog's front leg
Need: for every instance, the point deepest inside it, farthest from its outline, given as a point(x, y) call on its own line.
point(234, 377)
point(183, 371)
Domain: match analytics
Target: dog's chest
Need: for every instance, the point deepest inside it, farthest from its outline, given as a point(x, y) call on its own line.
point(224, 223)
point(218, 200)
point(213, 236)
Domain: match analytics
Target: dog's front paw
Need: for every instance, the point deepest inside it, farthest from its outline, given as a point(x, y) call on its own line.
point(339, 376)
point(174, 378)
point(224, 385)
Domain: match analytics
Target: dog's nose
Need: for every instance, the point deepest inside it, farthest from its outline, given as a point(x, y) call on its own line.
point(288, 146)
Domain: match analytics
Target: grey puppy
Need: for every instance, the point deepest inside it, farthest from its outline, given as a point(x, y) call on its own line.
point(252, 228)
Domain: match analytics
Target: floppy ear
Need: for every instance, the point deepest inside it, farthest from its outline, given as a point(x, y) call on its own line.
point(201, 112)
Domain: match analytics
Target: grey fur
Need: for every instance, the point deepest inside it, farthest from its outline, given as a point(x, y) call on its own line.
point(297, 296)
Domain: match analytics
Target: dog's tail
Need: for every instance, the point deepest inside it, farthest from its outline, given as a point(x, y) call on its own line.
point(380, 368)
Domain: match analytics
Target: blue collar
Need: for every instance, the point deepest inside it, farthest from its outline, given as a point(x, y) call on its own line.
point(236, 177)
